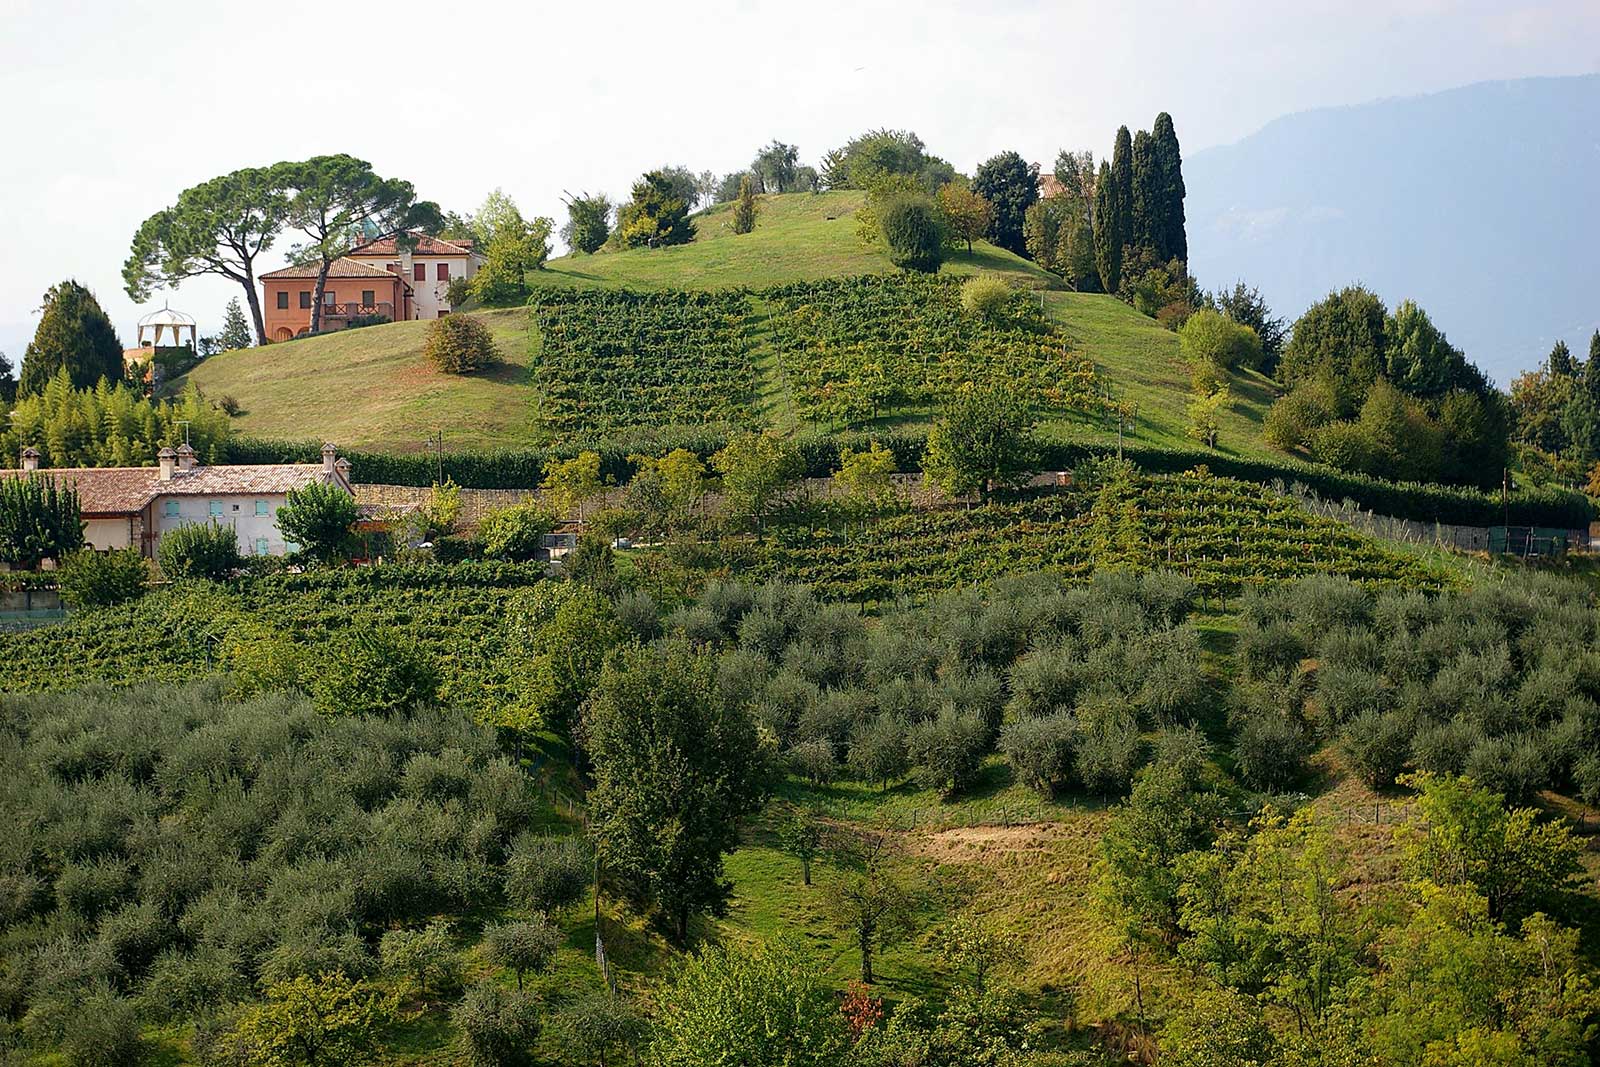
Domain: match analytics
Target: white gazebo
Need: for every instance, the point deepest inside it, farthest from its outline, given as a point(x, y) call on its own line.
point(169, 323)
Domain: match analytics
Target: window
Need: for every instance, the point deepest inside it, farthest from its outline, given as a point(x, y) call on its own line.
point(444, 272)
point(214, 509)
point(369, 297)
point(261, 546)
point(283, 299)
point(329, 299)
point(261, 507)
point(169, 508)
point(305, 298)
point(419, 272)
point(291, 546)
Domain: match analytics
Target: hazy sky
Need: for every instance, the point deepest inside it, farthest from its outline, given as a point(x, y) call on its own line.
point(112, 108)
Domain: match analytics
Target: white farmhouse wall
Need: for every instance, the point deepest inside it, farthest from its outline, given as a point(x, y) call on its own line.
point(238, 512)
point(107, 534)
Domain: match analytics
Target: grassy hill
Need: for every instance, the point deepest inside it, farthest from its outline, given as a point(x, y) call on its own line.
point(371, 388)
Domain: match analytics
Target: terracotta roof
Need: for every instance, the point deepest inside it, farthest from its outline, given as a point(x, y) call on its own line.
point(426, 246)
point(343, 267)
point(124, 490)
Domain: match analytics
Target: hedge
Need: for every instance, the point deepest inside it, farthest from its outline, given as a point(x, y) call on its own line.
point(819, 455)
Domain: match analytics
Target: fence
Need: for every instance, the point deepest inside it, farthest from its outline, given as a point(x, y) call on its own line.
point(1523, 541)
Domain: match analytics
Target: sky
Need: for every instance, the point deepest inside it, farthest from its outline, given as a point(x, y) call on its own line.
point(112, 108)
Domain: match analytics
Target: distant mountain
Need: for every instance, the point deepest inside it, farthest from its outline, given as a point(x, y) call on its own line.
point(1480, 203)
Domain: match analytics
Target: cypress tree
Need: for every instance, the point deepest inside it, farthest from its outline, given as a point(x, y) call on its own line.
point(73, 333)
point(1174, 242)
point(1149, 203)
point(1591, 371)
point(1122, 184)
point(1107, 232)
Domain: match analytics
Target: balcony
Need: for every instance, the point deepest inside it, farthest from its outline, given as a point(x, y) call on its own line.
point(346, 312)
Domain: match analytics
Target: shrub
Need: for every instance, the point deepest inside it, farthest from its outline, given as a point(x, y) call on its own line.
point(547, 873)
point(1040, 750)
point(90, 579)
point(912, 229)
point(104, 1031)
point(600, 1028)
point(948, 750)
point(514, 533)
point(1292, 420)
point(497, 1027)
point(1210, 337)
point(985, 296)
point(376, 673)
point(460, 344)
point(422, 955)
point(205, 550)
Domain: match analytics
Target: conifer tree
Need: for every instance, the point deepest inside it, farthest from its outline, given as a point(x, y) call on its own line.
point(1122, 185)
point(1591, 371)
point(1173, 242)
point(235, 328)
point(74, 333)
point(1149, 205)
point(1561, 363)
point(1107, 231)
point(744, 210)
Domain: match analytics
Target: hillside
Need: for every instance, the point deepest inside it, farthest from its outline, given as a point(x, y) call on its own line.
point(1395, 194)
point(371, 389)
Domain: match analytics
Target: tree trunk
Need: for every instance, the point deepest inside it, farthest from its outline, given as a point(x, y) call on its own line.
point(805, 870)
point(864, 935)
point(254, 300)
point(316, 300)
point(683, 927)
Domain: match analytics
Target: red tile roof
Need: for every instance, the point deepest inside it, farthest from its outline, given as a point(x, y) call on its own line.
point(343, 267)
point(126, 490)
point(426, 246)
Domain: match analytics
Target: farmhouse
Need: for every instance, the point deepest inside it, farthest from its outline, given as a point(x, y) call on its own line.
point(127, 507)
point(429, 266)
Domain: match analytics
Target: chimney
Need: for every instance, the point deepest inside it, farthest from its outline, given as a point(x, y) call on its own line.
point(168, 459)
point(329, 455)
point(30, 459)
point(343, 467)
point(186, 456)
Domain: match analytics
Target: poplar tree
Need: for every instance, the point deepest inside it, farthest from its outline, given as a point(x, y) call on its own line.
point(1173, 241)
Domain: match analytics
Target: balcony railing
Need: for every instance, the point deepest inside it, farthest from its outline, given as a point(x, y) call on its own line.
point(350, 311)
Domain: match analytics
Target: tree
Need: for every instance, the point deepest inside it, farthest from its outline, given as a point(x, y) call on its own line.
point(881, 152)
point(513, 251)
point(496, 1027)
point(203, 550)
point(1464, 835)
point(676, 767)
point(656, 215)
point(1107, 235)
point(1221, 1028)
point(1147, 206)
point(968, 216)
point(335, 201)
point(1247, 307)
point(913, 231)
point(776, 168)
point(523, 947)
point(970, 944)
point(1339, 338)
point(764, 1006)
point(1560, 360)
point(420, 955)
point(309, 1021)
point(235, 328)
point(1011, 185)
point(869, 903)
point(1170, 234)
point(756, 469)
point(93, 579)
point(545, 873)
point(866, 478)
point(744, 211)
point(1210, 337)
point(219, 227)
point(588, 222)
point(982, 439)
point(8, 382)
point(1076, 174)
point(560, 635)
point(376, 673)
point(74, 334)
point(1122, 189)
point(320, 518)
point(800, 834)
point(39, 520)
point(600, 1025)
point(460, 344)
point(1417, 358)
point(571, 483)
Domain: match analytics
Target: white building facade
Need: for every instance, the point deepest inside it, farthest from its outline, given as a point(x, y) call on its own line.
point(430, 265)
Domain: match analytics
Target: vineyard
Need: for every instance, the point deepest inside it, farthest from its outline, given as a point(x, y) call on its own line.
point(453, 614)
point(1225, 535)
point(858, 349)
point(616, 361)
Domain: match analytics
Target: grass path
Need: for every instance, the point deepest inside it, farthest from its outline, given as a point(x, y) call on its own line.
point(774, 402)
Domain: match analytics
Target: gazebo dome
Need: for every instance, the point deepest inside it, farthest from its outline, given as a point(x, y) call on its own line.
point(168, 322)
